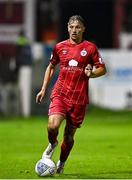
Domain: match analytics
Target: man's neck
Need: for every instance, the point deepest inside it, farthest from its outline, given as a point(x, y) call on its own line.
point(75, 41)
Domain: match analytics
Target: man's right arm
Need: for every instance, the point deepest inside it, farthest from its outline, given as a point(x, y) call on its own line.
point(47, 77)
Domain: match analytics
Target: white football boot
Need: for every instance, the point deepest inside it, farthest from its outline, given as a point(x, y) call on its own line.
point(49, 150)
point(60, 167)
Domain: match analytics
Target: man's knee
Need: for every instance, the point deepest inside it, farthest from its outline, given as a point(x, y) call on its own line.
point(69, 134)
point(54, 122)
point(52, 127)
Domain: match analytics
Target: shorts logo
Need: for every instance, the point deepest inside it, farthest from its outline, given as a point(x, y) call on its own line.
point(100, 60)
point(51, 56)
point(73, 62)
point(83, 52)
point(64, 51)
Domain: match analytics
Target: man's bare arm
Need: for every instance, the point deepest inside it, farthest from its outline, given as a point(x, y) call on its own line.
point(47, 77)
point(94, 73)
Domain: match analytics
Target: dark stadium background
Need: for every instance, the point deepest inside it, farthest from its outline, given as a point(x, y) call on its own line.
point(98, 14)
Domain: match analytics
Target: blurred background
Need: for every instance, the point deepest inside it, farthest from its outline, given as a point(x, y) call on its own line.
point(29, 30)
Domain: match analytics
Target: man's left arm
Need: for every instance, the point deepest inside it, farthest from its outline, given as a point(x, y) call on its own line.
point(98, 72)
point(98, 64)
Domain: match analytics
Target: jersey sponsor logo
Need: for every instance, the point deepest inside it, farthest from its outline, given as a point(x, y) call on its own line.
point(72, 68)
point(73, 62)
point(83, 52)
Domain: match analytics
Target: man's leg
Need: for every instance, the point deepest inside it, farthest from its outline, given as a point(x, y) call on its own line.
point(66, 146)
point(53, 127)
point(74, 120)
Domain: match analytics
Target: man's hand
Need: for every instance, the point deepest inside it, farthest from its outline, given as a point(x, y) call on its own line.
point(40, 96)
point(88, 70)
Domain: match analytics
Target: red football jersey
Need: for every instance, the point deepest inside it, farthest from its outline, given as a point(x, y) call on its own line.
point(72, 83)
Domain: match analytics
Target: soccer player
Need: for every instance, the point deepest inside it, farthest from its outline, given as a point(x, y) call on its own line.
point(79, 60)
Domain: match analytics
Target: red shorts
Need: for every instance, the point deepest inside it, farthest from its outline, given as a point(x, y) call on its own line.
point(73, 113)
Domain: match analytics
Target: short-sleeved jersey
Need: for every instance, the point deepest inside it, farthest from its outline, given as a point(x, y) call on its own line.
point(72, 83)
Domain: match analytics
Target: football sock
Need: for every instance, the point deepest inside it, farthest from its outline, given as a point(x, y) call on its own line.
point(60, 167)
point(49, 150)
point(52, 136)
point(65, 150)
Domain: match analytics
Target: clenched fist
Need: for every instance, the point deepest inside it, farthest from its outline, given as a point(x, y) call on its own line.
point(88, 70)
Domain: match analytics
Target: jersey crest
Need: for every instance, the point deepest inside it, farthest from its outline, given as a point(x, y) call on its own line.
point(83, 52)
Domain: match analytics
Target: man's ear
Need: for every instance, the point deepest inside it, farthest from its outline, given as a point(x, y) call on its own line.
point(84, 29)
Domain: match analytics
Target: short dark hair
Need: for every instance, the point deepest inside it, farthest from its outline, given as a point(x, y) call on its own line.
point(77, 18)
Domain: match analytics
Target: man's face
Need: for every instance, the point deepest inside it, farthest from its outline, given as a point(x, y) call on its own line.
point(76, 30)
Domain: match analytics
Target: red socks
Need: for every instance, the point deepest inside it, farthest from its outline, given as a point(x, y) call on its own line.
point(52, 136)
point(65, 146)
point(65, 150)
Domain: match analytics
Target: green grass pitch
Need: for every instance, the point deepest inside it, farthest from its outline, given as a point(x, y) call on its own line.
point(102, 150)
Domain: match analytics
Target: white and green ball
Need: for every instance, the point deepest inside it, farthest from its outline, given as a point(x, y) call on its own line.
point(45, 167)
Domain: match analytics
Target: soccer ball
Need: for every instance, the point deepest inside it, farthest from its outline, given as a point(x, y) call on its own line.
point(45, 167)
